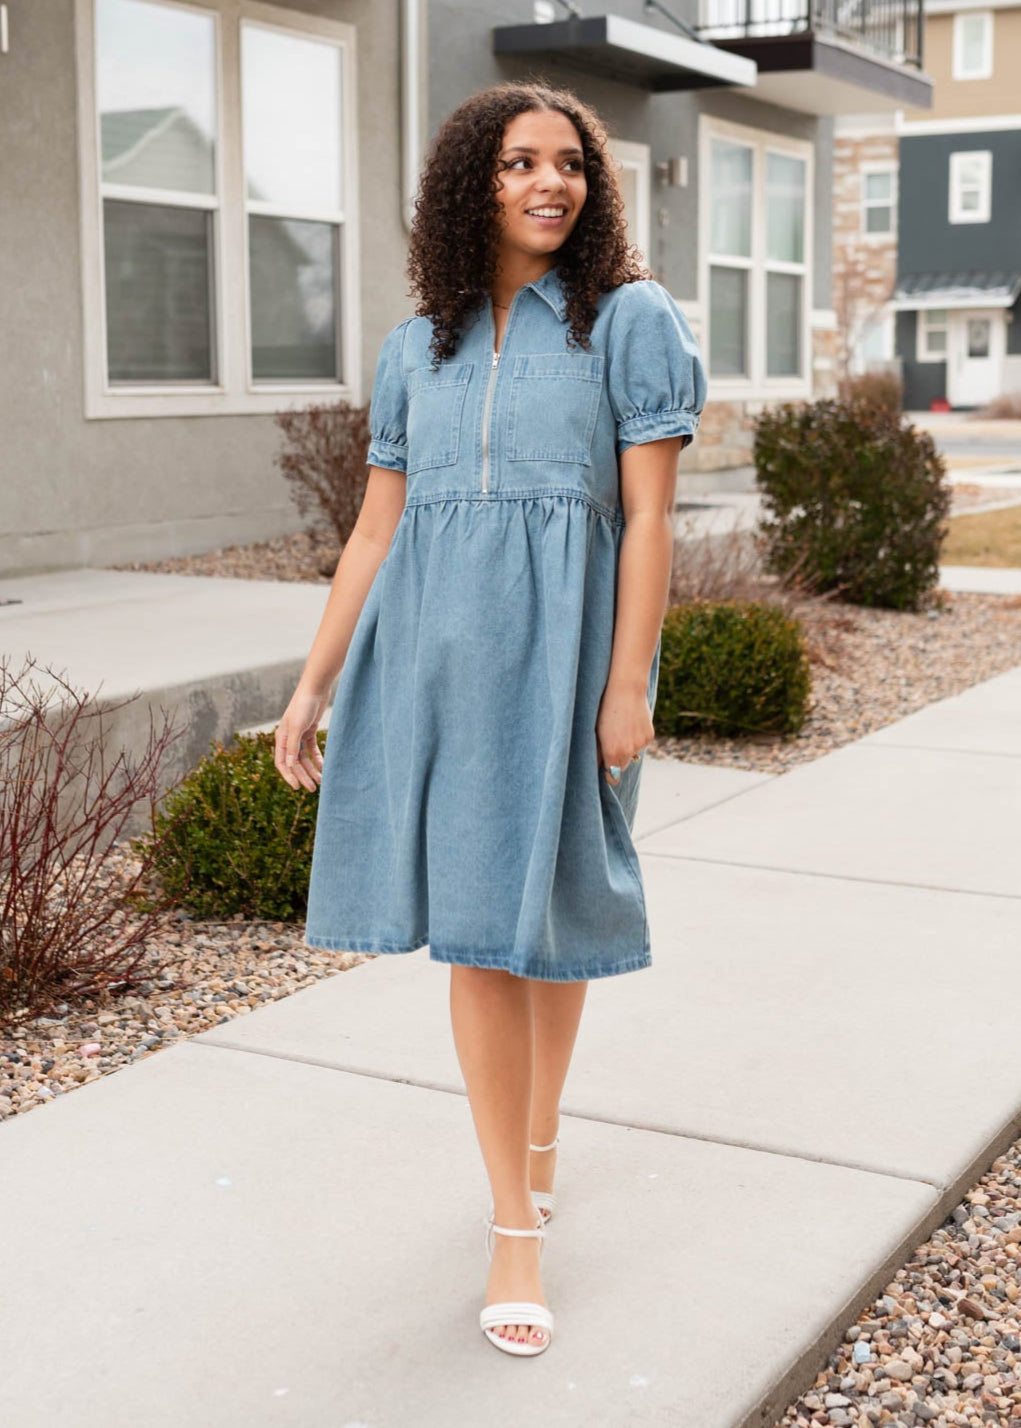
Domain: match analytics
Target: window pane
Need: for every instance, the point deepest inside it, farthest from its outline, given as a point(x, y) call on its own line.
point(294, 298)
point(728, 308)
point(156, 94)
point(936, 317)
point(978, 337)
point(785, 208)
point(879, 185)
point(973, 38)
point(291, 103)
point(158, 309)
point(873, 342)
point(878, 219)
point(731, 199)
point(783, 325)
point(969, 200)
point(936, 339)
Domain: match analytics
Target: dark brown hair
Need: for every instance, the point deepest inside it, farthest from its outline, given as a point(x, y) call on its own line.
point(453, 248)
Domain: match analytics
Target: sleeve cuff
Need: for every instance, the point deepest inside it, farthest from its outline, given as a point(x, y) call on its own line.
point(654, 426)
point(388, 454)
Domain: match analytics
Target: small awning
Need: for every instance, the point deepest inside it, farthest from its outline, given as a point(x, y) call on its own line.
point(974, 288)
point(624, 50)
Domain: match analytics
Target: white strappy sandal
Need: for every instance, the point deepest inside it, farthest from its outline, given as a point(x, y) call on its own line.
point(545, 1200)
point(519, 1311)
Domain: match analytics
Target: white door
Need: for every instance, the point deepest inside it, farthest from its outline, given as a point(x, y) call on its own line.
point(975, 348)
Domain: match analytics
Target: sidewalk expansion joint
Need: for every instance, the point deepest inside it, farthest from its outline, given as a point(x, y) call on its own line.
point(705, 807)
point(838, 877)
point(677, 1133)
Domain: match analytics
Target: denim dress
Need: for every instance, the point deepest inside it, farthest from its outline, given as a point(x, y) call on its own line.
point(462, 805)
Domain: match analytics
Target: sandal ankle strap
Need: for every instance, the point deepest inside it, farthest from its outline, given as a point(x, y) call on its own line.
point(539, 1230)
point(554, 1142)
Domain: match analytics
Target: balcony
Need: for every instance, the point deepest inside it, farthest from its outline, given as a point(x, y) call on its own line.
point(826, 56)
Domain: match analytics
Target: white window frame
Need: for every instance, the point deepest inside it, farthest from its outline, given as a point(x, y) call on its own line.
point(637, 158)
point(923, 326)
point(757, 384)
point(234, 393)
point(956, 213)
point(985, 68)
point(879, 166)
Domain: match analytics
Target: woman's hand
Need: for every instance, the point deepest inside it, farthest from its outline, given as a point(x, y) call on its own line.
point(297, 755)
point(623, 727)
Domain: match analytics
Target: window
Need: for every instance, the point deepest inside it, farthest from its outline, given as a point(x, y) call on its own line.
point(971, 173)
point(972, 45)
point(755, 206)
point(157, 102)
point(874, 347)
point(219, 274)
point(932, 335)
point(878, 200)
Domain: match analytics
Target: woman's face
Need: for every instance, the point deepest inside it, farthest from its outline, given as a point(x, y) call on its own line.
point(540, 167)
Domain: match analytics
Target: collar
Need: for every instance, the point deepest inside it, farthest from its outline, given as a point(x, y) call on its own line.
point(550, 287)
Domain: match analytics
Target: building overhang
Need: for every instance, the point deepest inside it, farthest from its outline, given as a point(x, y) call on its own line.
point(972, 289)
point(824, 74)
point(612, 47)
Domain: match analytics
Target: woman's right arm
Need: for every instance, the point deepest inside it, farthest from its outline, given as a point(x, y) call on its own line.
point(297, 754)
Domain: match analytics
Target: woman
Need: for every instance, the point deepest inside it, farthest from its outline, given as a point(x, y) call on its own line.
point(496, 615)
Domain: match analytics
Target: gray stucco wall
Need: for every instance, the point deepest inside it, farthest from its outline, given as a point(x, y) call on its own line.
point(461, 61)
point(76, 492)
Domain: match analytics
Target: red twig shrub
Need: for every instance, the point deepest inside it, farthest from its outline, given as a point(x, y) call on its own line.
point(324, 461)
point(73, 919)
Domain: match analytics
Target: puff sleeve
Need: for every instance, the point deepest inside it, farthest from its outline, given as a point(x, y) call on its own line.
point(656, 379)
point(388, 409)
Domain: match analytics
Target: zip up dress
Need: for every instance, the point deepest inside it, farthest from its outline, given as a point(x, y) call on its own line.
point(462, 804)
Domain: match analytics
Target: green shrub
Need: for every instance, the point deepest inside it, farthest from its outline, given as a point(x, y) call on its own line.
point(731, 667)
point(233, 837)
point(852, 499)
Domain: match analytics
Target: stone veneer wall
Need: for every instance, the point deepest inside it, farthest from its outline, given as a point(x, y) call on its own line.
point(864, 267)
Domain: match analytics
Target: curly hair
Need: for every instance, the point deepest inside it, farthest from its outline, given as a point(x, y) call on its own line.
point(455, 233)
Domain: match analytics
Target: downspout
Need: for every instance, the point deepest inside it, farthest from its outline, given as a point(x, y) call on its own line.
point(414, 97)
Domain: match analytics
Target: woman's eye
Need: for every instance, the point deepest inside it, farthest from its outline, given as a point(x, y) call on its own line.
point(575, 164)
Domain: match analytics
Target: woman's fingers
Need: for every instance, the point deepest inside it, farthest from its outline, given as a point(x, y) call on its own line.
point(293, 755)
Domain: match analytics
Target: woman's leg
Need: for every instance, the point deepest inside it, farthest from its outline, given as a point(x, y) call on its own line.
point(491, 1017)
point(556, 1012)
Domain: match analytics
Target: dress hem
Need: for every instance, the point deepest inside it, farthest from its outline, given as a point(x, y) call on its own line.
point(542, 972)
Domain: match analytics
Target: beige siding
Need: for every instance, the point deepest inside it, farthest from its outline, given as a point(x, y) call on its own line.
point(965, 98)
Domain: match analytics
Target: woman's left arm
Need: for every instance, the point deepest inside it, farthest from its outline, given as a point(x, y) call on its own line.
point(648, 482)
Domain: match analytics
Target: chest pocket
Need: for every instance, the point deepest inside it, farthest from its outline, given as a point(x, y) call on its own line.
point(435, 402)
point(554, 403)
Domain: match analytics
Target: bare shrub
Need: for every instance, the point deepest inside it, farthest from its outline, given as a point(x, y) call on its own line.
point(881, 389)
point(1007, 406)
point(324, 462)
point(74, 917)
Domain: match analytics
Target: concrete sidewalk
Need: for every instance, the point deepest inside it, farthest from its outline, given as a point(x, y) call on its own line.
point(280, 1221)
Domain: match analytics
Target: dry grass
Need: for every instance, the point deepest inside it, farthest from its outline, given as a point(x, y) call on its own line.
point(990, 538)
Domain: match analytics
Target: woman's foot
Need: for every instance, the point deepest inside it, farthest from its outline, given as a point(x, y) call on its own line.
point(514, 1274)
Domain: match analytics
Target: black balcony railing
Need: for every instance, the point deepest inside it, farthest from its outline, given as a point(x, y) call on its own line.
point(889, 28)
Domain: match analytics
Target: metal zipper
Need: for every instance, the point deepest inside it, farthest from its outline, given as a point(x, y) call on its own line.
point(485, 422)
point(489, 389)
